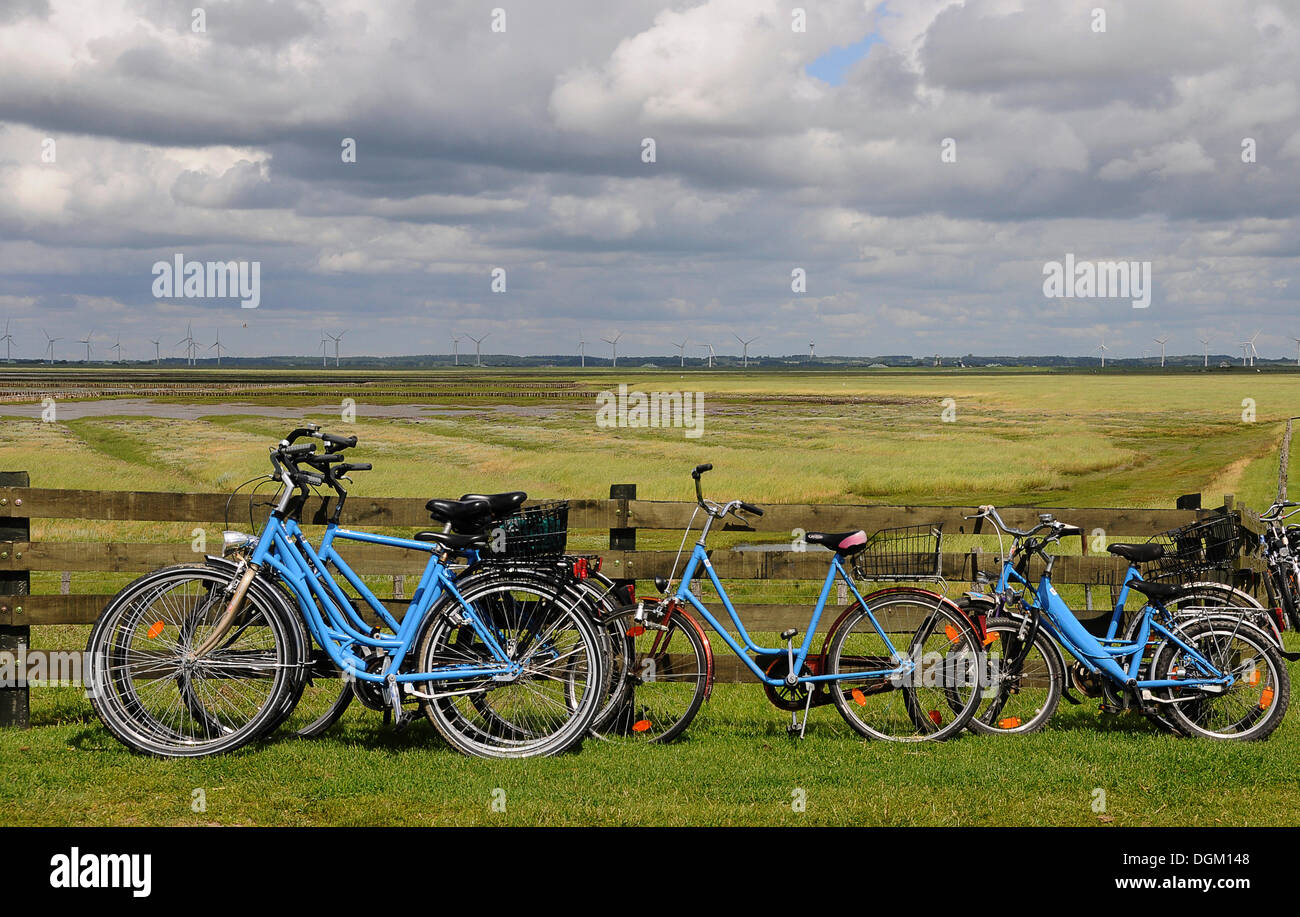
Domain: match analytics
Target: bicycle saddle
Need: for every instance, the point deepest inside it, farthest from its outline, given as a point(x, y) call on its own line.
point(1157, 591)
point(462, 514)
point(845, 543)
point(453, 541)
point(1138, 553)
point(500, 504)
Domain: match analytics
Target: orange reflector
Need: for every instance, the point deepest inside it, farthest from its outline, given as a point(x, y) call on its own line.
point(1266, 699)
point(859, 698)
point(1010, 722)
point(155, 629)
point(640, 725)
point(635, 631)
point(952, 633)
point(991, 638)
point(936, 718)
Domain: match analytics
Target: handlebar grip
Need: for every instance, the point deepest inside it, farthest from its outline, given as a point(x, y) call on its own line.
point(324, 458)
point(751, 508)
point(358, 466)
point(700, 469)
point(300, 449)
point(347, 442)
point(306, 477)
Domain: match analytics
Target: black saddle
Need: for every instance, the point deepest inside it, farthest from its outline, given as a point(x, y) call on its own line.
point(845, 543)
point(454, 542)
point(464, 515)
point(1138, 553)
point(1158, 591)
point(501, 505)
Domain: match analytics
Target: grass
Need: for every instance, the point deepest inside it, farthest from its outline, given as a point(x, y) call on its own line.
point(1061, 439)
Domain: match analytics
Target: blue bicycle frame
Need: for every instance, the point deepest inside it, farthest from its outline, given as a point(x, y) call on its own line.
point(340, 630)
point(700, 558)
point(1104, 655)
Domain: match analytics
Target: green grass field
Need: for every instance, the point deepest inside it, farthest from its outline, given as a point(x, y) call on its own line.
point(1063, 439)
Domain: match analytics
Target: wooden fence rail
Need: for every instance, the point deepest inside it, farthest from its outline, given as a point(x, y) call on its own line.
point(622, 516)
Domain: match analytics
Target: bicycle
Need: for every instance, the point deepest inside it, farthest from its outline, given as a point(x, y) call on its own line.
point(535, 540)
point(1195, 663)
point(902, 668)
point(1280, 547)
point(201, 659)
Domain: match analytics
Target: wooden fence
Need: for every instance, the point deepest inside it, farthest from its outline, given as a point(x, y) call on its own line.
point(622, 515)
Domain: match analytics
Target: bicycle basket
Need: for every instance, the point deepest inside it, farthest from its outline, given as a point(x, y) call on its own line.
point(541, 530)
point(1197, 548)
point(904, 552)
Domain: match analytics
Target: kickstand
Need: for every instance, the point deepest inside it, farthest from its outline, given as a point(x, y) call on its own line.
point(795, 724)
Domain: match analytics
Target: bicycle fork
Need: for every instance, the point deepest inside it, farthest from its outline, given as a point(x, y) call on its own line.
point(222, 627)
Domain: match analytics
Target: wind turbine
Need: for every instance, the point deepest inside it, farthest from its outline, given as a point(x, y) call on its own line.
point(323, 342)
point(681, 351)
point(1205, 346)
point(157, 352)
point(217, 348)
point(455, 350)
point(118, 347)
point(8, 339)
point(478, 347)
point(745, 347)
point(49, 345)
point(613, 343)
point(812, 351)
point(582, 350)
point(709, 347)
point(86, 341)
point(1162, 341)
point(336, 340)
point(188, 341)
point(1102, 348)
point(1248, 351)
point(1297, 348)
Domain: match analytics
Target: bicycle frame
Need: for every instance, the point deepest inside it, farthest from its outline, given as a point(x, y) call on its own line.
point(700, 558)
point(1104, 655)
point(283, 547)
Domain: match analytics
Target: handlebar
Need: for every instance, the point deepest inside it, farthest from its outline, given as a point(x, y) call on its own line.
point(713, 509)
point(1058, 529)
point(1274, 513)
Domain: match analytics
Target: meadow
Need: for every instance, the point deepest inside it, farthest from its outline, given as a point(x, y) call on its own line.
point(1068, 439)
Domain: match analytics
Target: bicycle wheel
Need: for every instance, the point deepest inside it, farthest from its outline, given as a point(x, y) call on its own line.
point(156, 697)
point(548, 708)
point(927, 689)
point(1251, 707)
point(1021, 701)
point(660, 676)
point(325, 697)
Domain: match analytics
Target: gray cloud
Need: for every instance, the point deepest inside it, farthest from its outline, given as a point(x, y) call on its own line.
point(522, 150)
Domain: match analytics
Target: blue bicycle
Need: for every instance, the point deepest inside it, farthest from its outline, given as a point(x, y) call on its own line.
point(902, 665)
point(1206, 671)
point(200, 659)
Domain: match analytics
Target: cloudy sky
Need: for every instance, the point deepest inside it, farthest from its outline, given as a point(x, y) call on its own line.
point(518, 142)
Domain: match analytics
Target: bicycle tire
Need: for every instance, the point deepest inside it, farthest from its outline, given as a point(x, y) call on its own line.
point(147, 718)
point(659, 678)
point(1262, 699)
point(1021, 702)
point(904, 707)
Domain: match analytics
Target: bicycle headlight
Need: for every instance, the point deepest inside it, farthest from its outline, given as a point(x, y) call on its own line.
point(235, 541)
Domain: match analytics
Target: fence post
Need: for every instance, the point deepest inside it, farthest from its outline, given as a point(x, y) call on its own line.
point(622, 537)
point(15, 638)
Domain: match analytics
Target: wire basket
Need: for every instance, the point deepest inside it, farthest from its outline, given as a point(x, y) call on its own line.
point(541, 530)
point(1197, 548)
point(905, 552)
